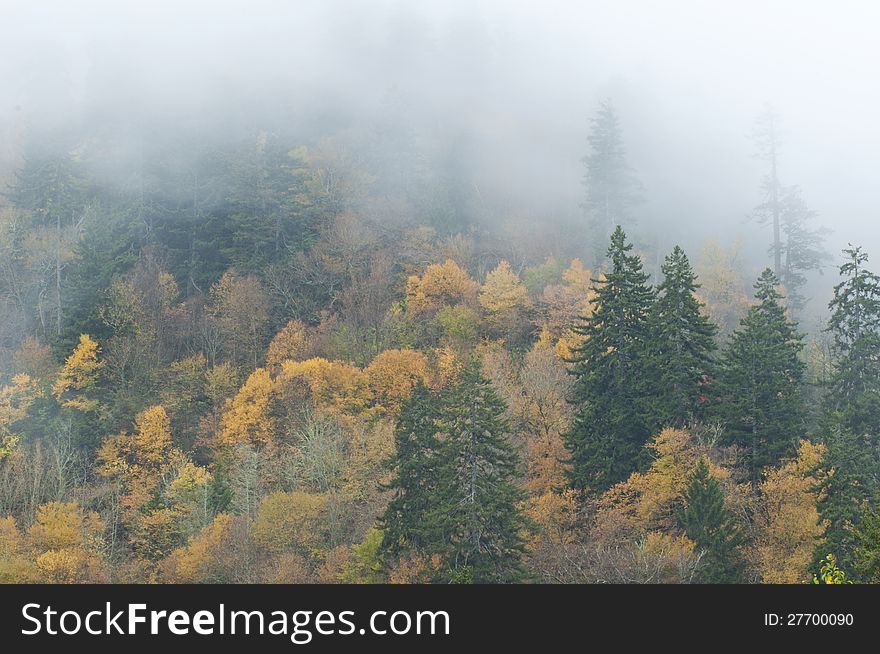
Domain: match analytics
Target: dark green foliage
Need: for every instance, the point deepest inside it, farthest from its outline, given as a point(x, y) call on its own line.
point(477, 497)
point(707, 522)
point(867, 553)
point(405, 521)
point(852, 406)
point(683, 340)
point(612, 389)
point(760, 380)
point(454, 493)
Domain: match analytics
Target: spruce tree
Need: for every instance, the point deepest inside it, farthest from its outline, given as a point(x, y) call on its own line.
point(476, 496)
point(683, 340)
point(611, 392)
point(707, 522)
point(760, 381)
point(406, 520)
point(851, 421)
point(611, 188)
point(855, 328)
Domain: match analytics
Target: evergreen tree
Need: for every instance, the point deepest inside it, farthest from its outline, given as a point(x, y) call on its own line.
point(611, 425)
point(855, 328)
point(415, 461)
point(707, 522)
point(760, 381)
point(611, 188)
point(867, 553)
point(683, 343)
point(796, 248)
point(476, 498)
point(851, 423)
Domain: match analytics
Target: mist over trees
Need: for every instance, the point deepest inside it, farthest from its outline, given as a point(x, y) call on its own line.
point(374, 296)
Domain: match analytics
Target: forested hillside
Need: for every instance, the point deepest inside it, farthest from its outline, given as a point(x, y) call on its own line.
point(269, 364)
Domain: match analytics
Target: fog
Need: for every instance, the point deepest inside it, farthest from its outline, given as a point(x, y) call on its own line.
point(510, 86)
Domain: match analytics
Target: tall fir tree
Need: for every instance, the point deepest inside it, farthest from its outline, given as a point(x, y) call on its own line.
point(612, 190)
point(406, 521)
point(851, 420)
point(708, 523)
point(476, 498)
point(683, 342)
point(611, 425)
point(760, 378)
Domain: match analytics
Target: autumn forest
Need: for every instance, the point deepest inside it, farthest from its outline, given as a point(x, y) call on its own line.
point(327, 354)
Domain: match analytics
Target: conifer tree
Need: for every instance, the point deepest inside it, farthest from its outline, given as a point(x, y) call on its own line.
point(611, 392)
point(415, 462)
point(851, 421)
point(611, 188)
point(683, 344)
point(476, 498)
point(759, 381)
point(855, 328)
point(708, 523)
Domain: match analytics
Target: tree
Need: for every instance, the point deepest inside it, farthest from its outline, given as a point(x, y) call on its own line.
point(393, 374)
point(440, 285)
point(612, 191)
point(789, 528)
point(476, 499)
point(415, 465)
point(851, 421)
point(855, 327)
point(706, 521)
point(78, 377)
point(248, 416)
point(611, 391)
point(760, 376)
point(795, 247)
point(683, 343)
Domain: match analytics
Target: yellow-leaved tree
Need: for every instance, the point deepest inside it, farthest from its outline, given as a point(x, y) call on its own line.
point(78, 377)
point(15, 400)
point(67, 543)
point(247, 417)
point(393, 374)
point(789, 527)
point(440, 285)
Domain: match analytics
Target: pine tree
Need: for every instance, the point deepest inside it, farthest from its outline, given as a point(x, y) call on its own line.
point(683, 344)
point(611, 188)
point(708, 523)
point(611, 425)
point(759, 381)
point(415, 461)
point(476, 497)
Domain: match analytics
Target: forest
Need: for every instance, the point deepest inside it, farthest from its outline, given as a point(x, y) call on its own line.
point(327, 351)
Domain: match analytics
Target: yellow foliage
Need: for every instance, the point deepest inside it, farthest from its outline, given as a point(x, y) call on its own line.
point(646, 500)
point(333, 384)
point(503, 291)
point(66, 541)
point(446, 367)
point(440, 285)
point(789, 527)
point(290, 343)
point(555, 515)
point(15, 567)
point(194, 562)
point(393, 374)
point(289, 521)
point(247, 417)
point(15, 400)
point(78, 376)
